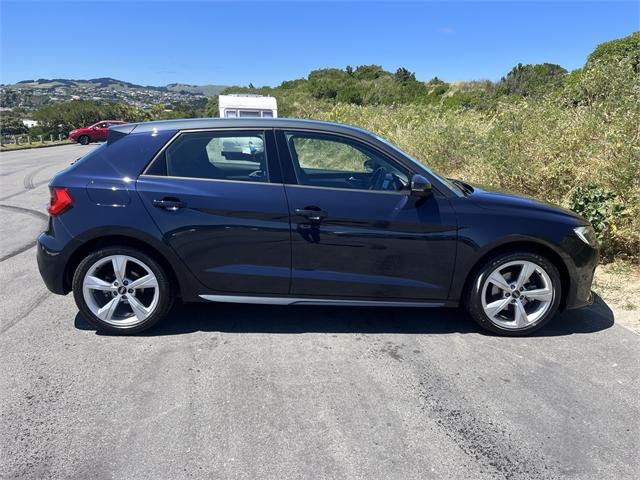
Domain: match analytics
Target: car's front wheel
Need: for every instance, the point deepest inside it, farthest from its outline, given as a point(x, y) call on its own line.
point(121, 290)
point(84, 140)
point(514, 293)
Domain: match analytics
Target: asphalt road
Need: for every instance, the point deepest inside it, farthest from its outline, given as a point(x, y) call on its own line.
point(232, 391)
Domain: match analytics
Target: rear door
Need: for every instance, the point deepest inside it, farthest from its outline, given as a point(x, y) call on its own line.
point(356, 230)
point(218, 198)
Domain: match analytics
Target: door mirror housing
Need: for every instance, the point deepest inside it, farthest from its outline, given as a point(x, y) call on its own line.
point(420, 186)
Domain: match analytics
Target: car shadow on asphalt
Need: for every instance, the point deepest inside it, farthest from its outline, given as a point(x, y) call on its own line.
point(236, 318)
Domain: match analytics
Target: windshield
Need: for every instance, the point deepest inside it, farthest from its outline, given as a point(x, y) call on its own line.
point(452, 185)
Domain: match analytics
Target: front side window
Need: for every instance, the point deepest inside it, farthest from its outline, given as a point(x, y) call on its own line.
point(216, 155)
point(322, 160)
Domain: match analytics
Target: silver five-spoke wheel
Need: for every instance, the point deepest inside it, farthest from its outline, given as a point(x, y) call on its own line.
point(517, 294)
point(120, 290)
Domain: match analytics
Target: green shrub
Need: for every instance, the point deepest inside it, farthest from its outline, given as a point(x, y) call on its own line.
point(626, 49)
point(532, 80)
point(600, 207)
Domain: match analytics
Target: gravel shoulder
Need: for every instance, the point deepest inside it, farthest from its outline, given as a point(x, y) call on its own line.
point(618, 284)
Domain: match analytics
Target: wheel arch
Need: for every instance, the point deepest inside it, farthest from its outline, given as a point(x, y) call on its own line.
point(99, 242)
point(525, 246)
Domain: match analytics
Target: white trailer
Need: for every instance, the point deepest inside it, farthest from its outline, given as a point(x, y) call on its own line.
point(246, 105)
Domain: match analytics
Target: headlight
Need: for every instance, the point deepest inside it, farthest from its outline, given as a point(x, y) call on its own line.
point(587, 234)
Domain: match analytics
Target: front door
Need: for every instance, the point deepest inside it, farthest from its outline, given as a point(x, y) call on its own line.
point(101, 131)
point(218, 202)
point(356, 230)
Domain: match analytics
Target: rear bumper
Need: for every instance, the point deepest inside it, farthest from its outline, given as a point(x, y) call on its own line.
point(53, 254)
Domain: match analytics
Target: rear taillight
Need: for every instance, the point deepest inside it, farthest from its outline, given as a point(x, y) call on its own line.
point(61, 201)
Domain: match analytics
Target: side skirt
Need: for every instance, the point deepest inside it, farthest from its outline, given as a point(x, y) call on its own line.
point(320, 301)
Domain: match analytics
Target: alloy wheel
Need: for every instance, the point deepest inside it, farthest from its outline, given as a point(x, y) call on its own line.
point(120, 290)
point(517, 295)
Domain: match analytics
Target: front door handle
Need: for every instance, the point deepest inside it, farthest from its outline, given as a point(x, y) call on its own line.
point(171, 204)
point(314, 214)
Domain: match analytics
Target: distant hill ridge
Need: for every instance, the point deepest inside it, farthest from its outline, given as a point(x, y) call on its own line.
point(108, 82)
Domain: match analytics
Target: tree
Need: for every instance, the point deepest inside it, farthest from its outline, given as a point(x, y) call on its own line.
point(12, 125)
point(532, 80)
point(369, 72)
point(60, 118)
point(403, 75)
point(326, 82)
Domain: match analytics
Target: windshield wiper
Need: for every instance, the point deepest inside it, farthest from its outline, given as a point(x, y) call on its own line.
point(461, 185)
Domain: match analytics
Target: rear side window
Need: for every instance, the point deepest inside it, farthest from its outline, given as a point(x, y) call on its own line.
point(238, 156)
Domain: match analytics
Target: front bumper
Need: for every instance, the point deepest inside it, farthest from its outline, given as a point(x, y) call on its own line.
point(582, 266)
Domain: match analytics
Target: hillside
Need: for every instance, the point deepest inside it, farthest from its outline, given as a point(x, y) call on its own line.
point(95, 83)
point(34, 94)
point(206, 90)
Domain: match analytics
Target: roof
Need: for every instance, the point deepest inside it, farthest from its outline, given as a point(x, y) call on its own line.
point(208, 123)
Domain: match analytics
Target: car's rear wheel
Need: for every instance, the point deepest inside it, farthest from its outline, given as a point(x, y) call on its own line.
point(121, 290)
point(514, 293)
point(84, 140)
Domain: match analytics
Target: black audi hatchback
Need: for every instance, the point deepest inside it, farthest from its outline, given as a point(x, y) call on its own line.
point(277, 211)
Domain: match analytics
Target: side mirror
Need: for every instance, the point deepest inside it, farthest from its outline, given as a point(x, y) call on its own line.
point(420, 186)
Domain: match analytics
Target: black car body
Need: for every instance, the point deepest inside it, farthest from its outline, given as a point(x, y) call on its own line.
point(292, 211)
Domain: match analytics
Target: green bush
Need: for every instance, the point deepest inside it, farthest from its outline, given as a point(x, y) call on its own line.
point(532, 80)
point(600, 207)
point(626, 49)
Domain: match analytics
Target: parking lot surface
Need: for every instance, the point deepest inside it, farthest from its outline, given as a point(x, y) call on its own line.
point(234, 391)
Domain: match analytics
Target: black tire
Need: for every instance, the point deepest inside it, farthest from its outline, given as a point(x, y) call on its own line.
point(473, 295)
point(84, 140)
point(162, 307)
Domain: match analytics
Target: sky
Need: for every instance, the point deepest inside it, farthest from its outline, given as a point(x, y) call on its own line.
point(237, 43)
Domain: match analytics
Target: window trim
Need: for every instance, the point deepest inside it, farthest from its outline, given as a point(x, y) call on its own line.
point(283, 161)
point(224, 180)
point(271, 179)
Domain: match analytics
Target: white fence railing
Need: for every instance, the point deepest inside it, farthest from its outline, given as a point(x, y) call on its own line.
point(29, 139)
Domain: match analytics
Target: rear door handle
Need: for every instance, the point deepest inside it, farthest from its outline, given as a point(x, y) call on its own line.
point(171, 204)
point(312, 213)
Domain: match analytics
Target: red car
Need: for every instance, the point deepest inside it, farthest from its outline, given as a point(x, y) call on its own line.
point(95, 133)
